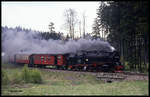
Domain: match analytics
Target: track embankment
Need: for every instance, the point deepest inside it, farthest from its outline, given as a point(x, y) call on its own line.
point(126, 75)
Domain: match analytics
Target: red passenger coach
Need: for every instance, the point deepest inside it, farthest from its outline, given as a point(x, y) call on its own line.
point(21, 58)
point(58, 60)
point(42, 60)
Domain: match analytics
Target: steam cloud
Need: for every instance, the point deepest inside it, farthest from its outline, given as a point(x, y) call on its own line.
point(14, 41)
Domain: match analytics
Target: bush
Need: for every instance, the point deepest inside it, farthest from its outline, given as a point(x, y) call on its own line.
point(26, 76)
point(31, 76)
point(36, 76)
point(5, 79)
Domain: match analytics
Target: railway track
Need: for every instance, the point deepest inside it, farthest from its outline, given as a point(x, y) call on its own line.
point(107, 76)
point(122, 76)
point(134, 73)
point(68, 71)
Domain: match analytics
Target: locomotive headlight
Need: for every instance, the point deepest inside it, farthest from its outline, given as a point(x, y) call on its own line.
point(86, 59)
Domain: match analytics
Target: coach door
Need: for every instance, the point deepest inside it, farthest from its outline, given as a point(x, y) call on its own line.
point(31, 62)
point(55, 57)
point(60, 60)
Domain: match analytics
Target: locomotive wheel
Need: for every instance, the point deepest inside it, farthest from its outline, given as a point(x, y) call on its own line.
point(76, 68)
point(88, 68)
point(73, 68)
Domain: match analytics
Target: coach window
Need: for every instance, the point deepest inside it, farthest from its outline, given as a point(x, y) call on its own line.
point(45, 58)
point(59, 57)
point(42, 58)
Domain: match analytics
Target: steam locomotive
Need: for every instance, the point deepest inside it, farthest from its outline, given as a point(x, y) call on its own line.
point(82, 60)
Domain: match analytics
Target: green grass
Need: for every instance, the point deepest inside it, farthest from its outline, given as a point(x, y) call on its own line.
point(61, 88)
point(72, 83)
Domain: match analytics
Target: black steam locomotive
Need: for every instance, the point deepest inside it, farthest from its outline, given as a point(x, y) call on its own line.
point(95, 60)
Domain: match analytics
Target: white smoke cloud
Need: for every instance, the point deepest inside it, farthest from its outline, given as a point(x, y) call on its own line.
point(21, 42)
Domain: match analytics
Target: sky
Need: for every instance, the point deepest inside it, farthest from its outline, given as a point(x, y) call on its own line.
point(38, 15)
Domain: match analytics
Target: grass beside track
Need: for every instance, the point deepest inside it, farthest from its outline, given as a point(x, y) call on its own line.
point(72, 83)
